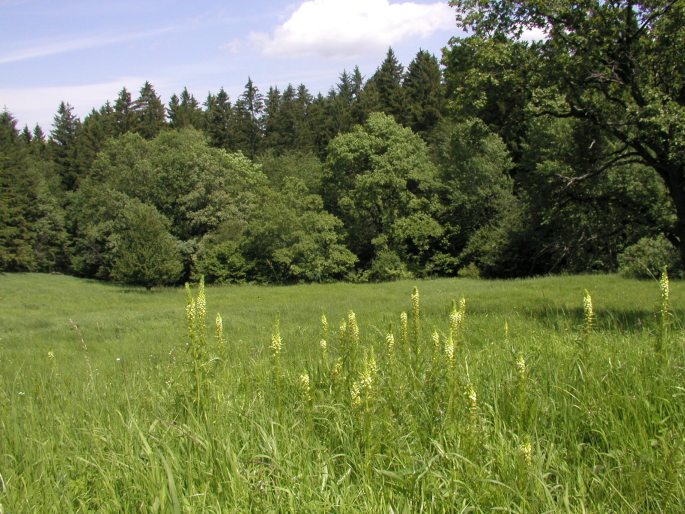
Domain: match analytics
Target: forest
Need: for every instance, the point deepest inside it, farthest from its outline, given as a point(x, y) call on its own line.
point(500, 158)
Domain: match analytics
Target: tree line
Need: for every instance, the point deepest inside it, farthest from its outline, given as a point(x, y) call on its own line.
point(506, 158)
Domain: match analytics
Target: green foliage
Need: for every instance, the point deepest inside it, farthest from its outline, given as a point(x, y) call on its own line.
point(374, 176)
point(581, 209)
point(609, 64)
point(220, 262)
point(292, 238)
point(479, 210)
point(32, 226)
point(195, 186)
point(305, 166)
point(144, 253)
point(62, 145)
point(149, 112)
point(386, 266)
point(424, 93)
point(648, 257)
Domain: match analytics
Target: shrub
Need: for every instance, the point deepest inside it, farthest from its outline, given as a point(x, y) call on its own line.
point(647, 257)
point(387, 266)
point(222, 263)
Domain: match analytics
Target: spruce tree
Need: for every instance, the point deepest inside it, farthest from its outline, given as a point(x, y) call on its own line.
point(218, 115)
point(185, 111)
point(387, 82)
point(62, 145)
point(124, 116)
point(248, 120)
point(149, 112)
point(424, 93)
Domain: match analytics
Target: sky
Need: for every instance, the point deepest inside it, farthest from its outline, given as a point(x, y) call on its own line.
point(85, 51)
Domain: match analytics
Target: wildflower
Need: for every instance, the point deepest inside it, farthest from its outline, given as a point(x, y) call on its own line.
point(305, 386)
point(337, 369)
point(390, 344)
point(276, 341)
point(473, 400)
point(51, 355)
point(353, 327)
point(324, 346)
point(403, 327)
point(363, 389)
point(415, 302)
point(219, 325)
point(588, 313)
point(449, 351)
point(526, 450)
point(435, 337)
point(521, 366)
point(324, 326)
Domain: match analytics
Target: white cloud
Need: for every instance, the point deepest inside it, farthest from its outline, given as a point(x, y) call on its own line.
point(335, 28)
point(73, 44)
point(39, 104)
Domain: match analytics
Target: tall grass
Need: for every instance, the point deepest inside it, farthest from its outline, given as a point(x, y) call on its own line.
point(527, 396)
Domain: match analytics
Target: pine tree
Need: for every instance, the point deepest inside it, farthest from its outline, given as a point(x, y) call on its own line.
point(185, 111)
point(38, 146)
point(218, 115)
point(149, 112)
point(424, 92)
point(248, 120)
point(272, 120)
point(32, 235)
point(97, 128)
point(387, 82)
point(124, 117)
point(62, 145)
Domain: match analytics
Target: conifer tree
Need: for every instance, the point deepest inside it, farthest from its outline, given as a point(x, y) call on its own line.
point(218, 115)
point(248, 120)
point(124, 116)
point(424, 93)
point(387, 82)
point(149, 112)
point(185, 112)
point(97, 128)
point(62, 145)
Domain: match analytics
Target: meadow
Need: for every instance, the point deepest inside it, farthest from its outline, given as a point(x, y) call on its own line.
point(556, 394)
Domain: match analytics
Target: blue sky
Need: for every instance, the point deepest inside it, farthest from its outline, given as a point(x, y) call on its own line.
point(85, 51)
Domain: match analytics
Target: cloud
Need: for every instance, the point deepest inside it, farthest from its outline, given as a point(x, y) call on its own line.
point(332, 28)
point(38, 105)
point(74, 44)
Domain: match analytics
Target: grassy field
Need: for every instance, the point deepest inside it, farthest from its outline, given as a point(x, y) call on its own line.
point(114, 400)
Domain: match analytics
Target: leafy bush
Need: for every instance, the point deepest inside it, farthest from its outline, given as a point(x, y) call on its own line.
point(387, 266)
point(145, 253)
point(647, 257)
point(222, 263)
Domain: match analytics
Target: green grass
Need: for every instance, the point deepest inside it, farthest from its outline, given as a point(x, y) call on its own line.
point(97, 410)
